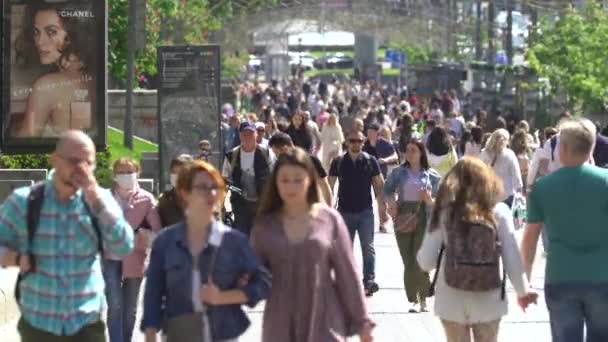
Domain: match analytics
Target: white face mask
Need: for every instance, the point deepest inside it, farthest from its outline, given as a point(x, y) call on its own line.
point(173, 179)
point(126, 181)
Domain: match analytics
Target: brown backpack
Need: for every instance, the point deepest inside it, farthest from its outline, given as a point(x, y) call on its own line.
point(472, 258)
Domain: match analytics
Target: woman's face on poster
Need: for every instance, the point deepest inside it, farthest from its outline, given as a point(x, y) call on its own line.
point(49, 36)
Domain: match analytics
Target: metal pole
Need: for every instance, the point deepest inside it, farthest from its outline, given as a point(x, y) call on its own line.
point(128, 124)
point(509, 37)
point(478, 52)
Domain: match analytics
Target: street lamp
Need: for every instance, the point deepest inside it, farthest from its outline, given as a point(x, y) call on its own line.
point(300, 51)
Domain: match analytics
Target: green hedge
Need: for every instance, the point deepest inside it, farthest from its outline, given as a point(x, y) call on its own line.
point(103, 171)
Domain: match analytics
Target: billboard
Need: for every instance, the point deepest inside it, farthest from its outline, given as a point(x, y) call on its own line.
point(53, 72)
point(188, 103)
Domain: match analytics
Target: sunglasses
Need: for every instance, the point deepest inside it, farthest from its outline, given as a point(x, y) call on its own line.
point(355, 141)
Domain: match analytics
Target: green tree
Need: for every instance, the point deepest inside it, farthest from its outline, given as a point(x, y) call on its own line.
point(169, 22)
point(416, 54)
point(571, 54)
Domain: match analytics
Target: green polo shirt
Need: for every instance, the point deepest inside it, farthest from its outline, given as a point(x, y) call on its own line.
point(572, 202)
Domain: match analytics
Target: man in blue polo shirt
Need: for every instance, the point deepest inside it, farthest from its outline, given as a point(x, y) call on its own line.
point(386, 155)
point(357, 171)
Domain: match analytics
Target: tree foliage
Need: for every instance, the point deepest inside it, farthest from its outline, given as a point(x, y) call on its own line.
point(169, 22)
point(571, 53)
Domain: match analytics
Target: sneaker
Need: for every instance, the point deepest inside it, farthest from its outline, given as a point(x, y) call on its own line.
point(383, 230)
point(371, 287)
point(413, 308)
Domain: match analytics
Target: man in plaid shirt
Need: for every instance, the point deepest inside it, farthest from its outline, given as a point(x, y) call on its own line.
point(63, 297)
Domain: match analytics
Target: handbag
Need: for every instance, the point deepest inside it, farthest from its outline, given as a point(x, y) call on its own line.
point(192, 327)
point(407, 219)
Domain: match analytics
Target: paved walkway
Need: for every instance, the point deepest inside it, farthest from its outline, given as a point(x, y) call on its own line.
point(389, 309)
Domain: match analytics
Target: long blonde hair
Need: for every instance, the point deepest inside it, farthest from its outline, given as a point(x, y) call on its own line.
point(468, 192)
point(493, 146)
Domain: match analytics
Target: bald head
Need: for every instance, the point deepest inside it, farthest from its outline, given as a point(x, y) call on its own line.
point(74, 139)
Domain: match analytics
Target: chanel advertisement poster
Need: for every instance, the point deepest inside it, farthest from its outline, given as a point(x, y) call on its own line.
point(54, 66)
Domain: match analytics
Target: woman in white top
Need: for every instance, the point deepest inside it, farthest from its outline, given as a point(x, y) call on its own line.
point(505, 164)
point(331, 140)
point(473, 147)
point(468, 193)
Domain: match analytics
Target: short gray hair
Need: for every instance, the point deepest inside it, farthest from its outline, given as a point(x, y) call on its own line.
point(578, 135)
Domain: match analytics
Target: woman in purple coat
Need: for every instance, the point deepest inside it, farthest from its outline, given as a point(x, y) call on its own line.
point(316, 292)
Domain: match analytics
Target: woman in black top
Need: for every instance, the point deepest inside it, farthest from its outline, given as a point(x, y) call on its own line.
point(299, 133)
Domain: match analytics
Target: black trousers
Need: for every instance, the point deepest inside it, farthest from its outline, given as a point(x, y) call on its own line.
point(244, 215)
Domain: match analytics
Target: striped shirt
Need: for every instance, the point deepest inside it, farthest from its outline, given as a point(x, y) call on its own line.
point(66, 292)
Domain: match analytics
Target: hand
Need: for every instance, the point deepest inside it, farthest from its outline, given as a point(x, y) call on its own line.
point(530, 298)
point(87, 182)
point(244, 280)
point(426, 197)
point(365, 335)
point(210, 293)
point(392, 210)
point(382, 208)
point(25, 263)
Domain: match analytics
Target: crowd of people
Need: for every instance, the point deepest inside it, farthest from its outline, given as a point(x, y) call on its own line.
point(450, 181)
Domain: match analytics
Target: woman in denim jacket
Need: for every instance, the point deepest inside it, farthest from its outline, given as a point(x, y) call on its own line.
point(416, 184)
point(200, 265)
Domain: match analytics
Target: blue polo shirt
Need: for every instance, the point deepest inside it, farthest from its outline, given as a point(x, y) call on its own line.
point(382, 149)
point(355, 177)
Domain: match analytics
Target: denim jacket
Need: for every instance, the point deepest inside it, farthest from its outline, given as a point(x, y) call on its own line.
point(169, 285)
point(399, 176)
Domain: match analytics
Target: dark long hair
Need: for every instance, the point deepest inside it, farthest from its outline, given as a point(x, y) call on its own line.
point(424, 159)
point(271, 200)
point(439, 142)
point(80, 31)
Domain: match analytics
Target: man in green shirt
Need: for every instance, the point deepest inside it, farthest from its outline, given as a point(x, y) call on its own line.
point(572, 203)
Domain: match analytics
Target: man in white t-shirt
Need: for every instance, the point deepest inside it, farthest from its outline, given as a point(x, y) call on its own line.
point(247, 167)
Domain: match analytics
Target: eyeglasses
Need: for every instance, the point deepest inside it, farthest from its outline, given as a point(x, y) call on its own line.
point(77, 161)
point(205, 188)
point(355, 141)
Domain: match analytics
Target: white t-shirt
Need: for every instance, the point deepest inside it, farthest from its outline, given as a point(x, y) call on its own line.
point(551, 154)
point(506, 167)
point(472, 149)
point(248, 175)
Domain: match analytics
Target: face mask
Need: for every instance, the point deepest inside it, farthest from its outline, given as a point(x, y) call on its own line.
point(173, 180)
point(126, 181)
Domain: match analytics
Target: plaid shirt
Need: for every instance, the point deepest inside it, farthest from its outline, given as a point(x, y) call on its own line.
point(66, 292)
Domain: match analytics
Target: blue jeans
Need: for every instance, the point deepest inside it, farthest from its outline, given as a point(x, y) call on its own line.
point(363, 223)
point(122, 298)
point(574, 307)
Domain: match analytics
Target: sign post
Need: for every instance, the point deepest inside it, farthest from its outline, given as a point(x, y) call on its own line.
point(188, 103)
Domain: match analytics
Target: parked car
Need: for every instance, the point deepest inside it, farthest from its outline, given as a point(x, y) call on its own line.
point(335, 61)
point(304, 58)
point(255, 62)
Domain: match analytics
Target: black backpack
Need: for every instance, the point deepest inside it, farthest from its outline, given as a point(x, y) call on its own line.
point(34, 206)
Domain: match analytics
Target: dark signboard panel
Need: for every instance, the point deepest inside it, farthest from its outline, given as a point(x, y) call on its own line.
point(53, 72)
point(188, 102)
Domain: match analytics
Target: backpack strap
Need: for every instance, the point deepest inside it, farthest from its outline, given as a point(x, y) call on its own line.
point(95, 224)
point(35, 200)
point(432, 289)
point(34, 205)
